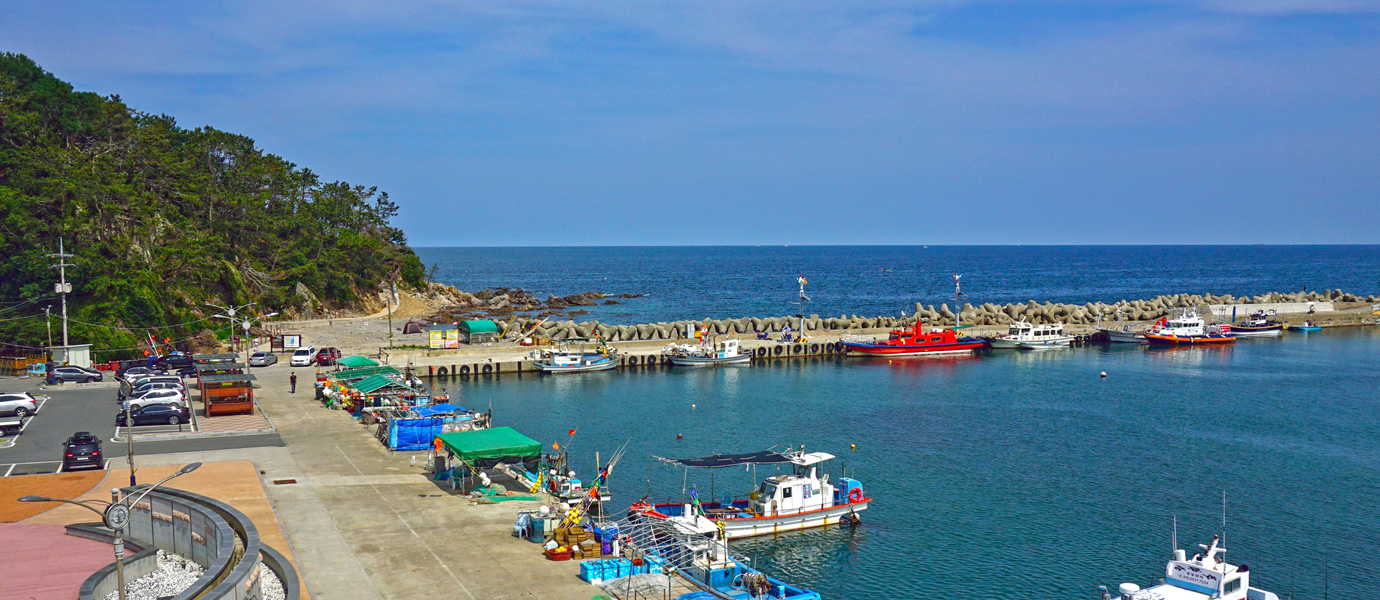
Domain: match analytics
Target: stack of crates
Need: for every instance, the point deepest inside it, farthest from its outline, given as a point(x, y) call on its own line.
point(654, 564)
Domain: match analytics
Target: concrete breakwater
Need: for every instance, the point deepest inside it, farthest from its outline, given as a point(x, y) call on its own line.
point(986, 314)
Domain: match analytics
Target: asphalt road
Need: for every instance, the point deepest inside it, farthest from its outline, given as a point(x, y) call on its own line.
point(86, 408)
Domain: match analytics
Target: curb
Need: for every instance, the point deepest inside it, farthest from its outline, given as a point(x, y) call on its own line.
point(168, 437)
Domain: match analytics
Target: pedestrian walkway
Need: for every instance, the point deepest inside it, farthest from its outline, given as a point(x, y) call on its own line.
point(42, 562)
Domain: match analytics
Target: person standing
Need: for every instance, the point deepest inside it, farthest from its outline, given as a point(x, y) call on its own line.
point(293, 380)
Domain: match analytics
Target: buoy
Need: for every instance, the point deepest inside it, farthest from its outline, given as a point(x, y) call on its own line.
point(692, 406)
point(1104, 374)
point(678, 436)
point(853, 446)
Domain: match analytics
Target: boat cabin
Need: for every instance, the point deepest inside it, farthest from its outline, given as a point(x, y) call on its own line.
point(908, 336)
point(1024, 331)
point(802, 491)
point(1206, 575)
point(726, 349)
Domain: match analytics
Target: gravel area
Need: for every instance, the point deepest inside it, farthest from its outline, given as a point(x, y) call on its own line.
point(174, 574)
point(269, 585)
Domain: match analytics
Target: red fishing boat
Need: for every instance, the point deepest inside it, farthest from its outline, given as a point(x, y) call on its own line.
point(914, 341)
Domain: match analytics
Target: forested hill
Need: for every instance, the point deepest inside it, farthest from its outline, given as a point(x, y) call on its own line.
point(163, 220)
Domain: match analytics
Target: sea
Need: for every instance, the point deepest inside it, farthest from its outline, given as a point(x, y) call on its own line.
point(761, 281)
point(1005, 474)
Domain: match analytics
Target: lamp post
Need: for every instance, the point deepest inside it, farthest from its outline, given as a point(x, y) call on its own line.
point(115, 516)
point(248, 321)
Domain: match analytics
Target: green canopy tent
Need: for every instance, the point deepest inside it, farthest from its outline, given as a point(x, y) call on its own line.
point(379, 384)
point(485, 448)
point(348, 375)
point(357, 361)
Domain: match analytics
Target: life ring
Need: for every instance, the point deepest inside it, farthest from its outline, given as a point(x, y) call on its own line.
point(442, 372)
point(855, 495)
point(488, 368)
point(464, 369)
point(776, 350)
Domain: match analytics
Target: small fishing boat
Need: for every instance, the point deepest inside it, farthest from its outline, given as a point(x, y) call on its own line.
point(914, 341)
point(1258, 325)
point(1026, 336)
point(1122, 332)
point(1207, 575)
point(555, 477)
point(566, 360)
point(1306, 326)
point(709, 353)
point(802, 499)
point(1188, 329)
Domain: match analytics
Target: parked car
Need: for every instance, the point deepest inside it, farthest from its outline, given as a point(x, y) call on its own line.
point(263, 359)
point(158, 385)
point(82, 451)
point(19, 404)
point(181, 364)
point(133, 373)
point(74, 373)
point(156, 414)
point(156, 397)
point(130, 387)
point(303, 357)
point(327, 356)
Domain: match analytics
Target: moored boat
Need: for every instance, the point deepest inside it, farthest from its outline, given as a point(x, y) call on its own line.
point(1122, 332)
point(1206, 576)
point(1258, 325)
point(709, 353)
point(1305, 326)
point(566, 360)
point(1027, 336)
point(1188, 329)
point(802, 499)
point(914, 341)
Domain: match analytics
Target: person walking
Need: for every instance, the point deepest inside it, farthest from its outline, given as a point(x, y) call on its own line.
point(293, 380)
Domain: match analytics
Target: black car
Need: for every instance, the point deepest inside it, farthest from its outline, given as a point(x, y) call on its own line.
point(156, 414)
point(72, 373)
point(181, 364)
point(82, 451)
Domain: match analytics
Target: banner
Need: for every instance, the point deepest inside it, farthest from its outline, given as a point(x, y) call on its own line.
point(1190, 576)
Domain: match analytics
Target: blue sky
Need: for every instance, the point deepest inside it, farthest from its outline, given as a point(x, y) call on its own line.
point(778, 122)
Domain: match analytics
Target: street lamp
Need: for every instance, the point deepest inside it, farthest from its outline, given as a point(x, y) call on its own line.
point(116, 516)
point(246, 324)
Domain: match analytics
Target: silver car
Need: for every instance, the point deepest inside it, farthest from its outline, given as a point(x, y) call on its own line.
point(156, 397)
point(263, 359)
point(19, 404)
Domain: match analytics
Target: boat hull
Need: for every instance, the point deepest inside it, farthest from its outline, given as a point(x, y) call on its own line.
point(1302, 328)
point(1196, 340)
point(1004, 344)
point(700, 361)
point(758, 526)
point(1117, 336)
point(1270, 331)
point(899, 350)
point(602, 365)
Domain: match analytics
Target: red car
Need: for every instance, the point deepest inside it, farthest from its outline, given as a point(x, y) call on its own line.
point(327, 356)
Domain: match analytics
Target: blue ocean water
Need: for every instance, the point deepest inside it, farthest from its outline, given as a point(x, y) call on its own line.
point(724, 282)
point(1017, 474)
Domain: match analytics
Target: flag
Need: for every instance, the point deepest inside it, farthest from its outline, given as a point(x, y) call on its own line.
point(572, 432)
point(695, 501)
point(555, 445)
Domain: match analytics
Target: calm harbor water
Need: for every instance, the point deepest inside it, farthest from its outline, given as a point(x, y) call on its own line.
point(1018, 475)
point(732, 282)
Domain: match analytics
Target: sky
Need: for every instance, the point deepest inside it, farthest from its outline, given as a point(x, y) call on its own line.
point(525, 123)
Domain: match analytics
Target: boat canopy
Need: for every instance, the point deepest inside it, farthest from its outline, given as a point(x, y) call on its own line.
point(811, 458)
point(729, 460)
point(357, 361)
point(485, 448)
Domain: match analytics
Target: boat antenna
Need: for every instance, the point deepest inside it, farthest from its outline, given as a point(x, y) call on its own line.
point(1224, 518)
point(1174, 537)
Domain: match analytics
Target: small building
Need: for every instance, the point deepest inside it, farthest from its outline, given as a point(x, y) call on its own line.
point(77, 355)
point(479, 332)
point(227, 394)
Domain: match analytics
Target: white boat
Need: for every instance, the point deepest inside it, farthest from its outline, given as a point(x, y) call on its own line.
point(1207, 575)
point(1122, 332)
point(1259, 324)
point(565, 360)
point(1188, 329)
point(1027, 336)
point(708, 354)
point(803, 499)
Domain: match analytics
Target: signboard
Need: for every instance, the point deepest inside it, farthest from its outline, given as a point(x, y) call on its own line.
point(452, 338)
point(436, 338)
point(1190, 576)
point(284, 342)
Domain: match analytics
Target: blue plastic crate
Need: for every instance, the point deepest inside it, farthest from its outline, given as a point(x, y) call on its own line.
point(623, 566)
point(654, 564)
point(591, 571)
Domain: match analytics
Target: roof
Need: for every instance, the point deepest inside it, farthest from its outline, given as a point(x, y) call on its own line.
point(439, 409)
point(357, 361)
point(227, 377)
point(218, 366)
point(363, 372)
point(729, 460)
point(204, 358)
point(806, 460)
point(375, 383)
point(479, 326)
point(499, 442)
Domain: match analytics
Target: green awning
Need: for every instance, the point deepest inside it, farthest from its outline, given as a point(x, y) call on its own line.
point(357, 361)
point(479, 326)
point(227, 378)
point(362, 373)
point(378, 383)
point(487, 447)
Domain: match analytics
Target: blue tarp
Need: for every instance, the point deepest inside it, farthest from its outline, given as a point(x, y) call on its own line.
point(438, 409)
point(413, 434)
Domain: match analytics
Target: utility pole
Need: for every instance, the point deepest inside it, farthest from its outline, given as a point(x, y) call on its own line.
point(48, 318)
point(63, 288)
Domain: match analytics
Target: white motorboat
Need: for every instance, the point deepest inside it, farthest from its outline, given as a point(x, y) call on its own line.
point(1027, 336)
point(566, 360)
point(1122, 332)
point(800, 500)
point(708, 354)
point(1188, 329)
point(1206, 576)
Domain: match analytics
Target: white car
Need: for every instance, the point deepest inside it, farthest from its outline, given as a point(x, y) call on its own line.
point(303, 357)
point(156, 397)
